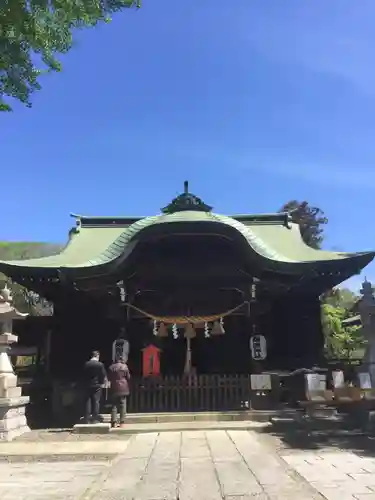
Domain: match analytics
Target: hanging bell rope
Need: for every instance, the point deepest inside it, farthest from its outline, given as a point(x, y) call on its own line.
point(218, 328)
point(182, 320)
point(190, 332)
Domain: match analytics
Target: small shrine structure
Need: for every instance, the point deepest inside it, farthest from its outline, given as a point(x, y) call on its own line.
point(12, 404)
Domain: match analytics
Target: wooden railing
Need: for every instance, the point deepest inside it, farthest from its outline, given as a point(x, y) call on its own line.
point(184, 394)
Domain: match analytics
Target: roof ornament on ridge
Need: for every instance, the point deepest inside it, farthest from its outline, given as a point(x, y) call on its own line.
point(186, 201)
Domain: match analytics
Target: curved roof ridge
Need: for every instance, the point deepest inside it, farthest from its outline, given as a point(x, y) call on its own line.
point(255, 241)
point(99, 245)
point(272, 216)
point(118, 245)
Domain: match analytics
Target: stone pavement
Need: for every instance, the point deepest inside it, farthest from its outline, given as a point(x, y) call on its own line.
point(55, 481)
point(199, 465)
point(337, 475)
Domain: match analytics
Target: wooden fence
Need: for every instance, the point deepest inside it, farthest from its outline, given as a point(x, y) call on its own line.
point(183, 394)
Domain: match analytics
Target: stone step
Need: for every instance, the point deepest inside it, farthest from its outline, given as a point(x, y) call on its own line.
point(234, 416)
point(92, 428)
point(322, 413)
point(131, 428)
point(186, 426)
point(162, 422)
point(38, 448)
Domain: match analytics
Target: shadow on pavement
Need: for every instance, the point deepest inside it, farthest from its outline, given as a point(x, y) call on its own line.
point(323, 436)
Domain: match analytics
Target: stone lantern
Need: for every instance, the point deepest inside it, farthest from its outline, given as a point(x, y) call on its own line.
point(367, 313)
point(12, 403)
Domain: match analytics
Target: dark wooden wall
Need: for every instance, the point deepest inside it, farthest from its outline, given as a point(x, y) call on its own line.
point(291, 325)
point(81, 327)
point(294, 332)
point(228, 353)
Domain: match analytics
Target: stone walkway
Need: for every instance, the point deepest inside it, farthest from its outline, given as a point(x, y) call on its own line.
point(199, 465)
point(337, 475)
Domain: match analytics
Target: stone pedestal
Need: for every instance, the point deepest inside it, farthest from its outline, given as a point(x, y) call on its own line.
point(12, 403)
point(12, 417)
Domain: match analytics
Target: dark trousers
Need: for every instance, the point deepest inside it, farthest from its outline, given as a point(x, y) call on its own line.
point(92, 404)
point(118, 406)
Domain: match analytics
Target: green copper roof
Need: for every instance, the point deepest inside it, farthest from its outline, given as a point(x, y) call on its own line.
point(95, 245)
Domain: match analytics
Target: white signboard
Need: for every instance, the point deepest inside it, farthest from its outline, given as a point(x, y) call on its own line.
point(364, 380)
point(261, 382)
point(338, 379)
point(258, 347)
point(316, 382)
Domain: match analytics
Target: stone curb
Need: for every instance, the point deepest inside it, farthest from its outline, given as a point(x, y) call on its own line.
point(63, 457)
point(167, 427)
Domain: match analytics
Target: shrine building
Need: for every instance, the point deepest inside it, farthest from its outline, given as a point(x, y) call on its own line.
point(207, 293)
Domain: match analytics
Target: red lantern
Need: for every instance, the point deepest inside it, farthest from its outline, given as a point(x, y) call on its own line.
point(151, 361)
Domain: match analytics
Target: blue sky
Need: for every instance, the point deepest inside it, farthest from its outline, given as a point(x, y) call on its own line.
point(253, 102)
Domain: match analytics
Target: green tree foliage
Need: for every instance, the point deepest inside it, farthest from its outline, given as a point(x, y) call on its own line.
point(29, 302)
point(337, 304)
point(310, 219)
point(27, 250)
point(32, 32)
point(341, 341)
point(341, 297)
point(23, 299)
